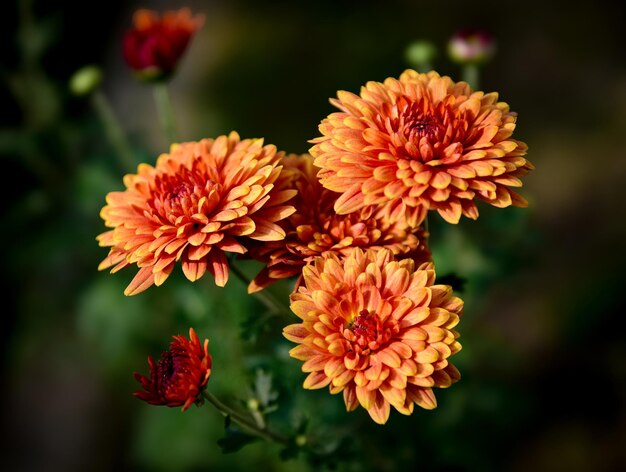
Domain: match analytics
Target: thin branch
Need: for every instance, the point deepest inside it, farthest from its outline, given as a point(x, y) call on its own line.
point(245, 422)
point(165, 111)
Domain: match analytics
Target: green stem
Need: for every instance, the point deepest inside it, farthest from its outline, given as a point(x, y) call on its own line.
point(471, 75)
point(243, 421)
point(114, 131)
point(165, 111)
point(258, 418)
point(266, 297)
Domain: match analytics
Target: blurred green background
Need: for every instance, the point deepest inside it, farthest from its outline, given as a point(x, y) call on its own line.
point(544, 377)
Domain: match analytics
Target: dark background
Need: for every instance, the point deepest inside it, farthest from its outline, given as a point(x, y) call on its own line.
point(544, 378)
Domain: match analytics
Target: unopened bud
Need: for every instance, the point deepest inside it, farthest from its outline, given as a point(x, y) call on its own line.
point(420, 55)
point(471, 47)
point(253, 404)
point(85, 80)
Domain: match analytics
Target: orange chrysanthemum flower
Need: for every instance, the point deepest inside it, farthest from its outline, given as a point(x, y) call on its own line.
point(315, 228)
point(155, 44)
point(203, 199)
point(181, 374)
point(376, 329)
point(422, 140)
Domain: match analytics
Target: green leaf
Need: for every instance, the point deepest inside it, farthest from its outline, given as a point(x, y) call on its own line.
point(263, 388)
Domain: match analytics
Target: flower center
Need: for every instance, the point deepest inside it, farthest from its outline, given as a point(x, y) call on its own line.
point(425, 126)
point(166, 370)
point(366, 332)
point(364, 325)
point(420, 120)
point(180, 191)
point(180, 197)
point(178, 194)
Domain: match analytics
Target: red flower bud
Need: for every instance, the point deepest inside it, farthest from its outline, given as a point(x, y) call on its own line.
point(181, 374)
point(153, 47)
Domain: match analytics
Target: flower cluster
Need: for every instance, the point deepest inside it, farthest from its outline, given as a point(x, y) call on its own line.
point(375, 325)
point(315, 229)
point(346, 222)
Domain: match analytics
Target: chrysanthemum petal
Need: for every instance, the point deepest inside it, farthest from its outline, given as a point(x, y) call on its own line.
point(380, 410)
point(315, 364)
point(366, 398)
point(390, 357)
point(267, 231)
point(295, 333)
point(423, 397)
point(303, 352)
point(350, 399)
point(218, 267)
point(194, 270)
point(350, 201)
point(316, 380)
point(142, 280)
